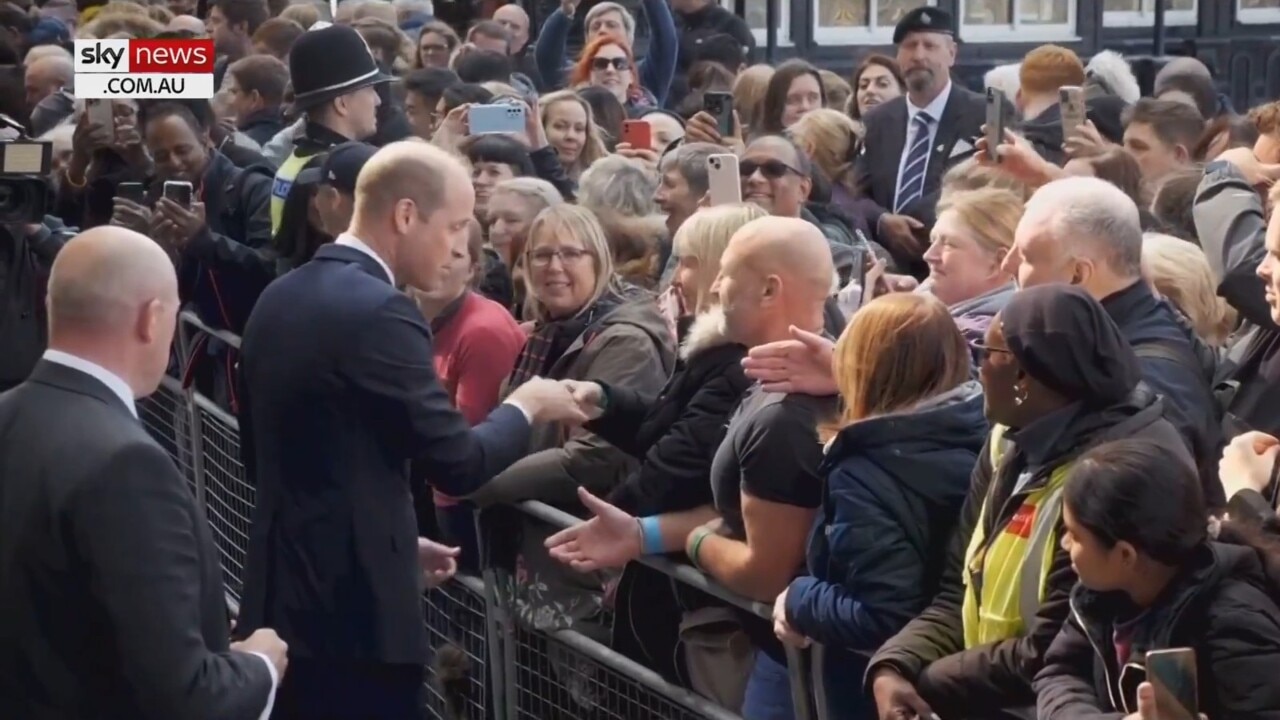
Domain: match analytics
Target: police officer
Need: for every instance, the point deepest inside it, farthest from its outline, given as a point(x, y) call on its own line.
point(334, 85)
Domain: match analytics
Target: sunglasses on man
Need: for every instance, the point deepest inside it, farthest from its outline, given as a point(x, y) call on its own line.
point(771, 169)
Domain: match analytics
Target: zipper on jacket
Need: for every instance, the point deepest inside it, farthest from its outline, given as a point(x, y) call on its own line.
point(1106, 667)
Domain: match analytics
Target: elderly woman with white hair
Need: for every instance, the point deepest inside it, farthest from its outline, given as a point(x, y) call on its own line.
point(657, 68)
point(620, 193)
point(513, 206)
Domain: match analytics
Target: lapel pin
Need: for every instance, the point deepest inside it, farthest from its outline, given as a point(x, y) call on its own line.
point(941, 148)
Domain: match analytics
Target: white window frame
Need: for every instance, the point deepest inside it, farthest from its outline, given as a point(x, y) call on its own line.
point(1017, 32)
point(761, 36)
point(870, 34)
point(1257, 16)
point(1147, 18)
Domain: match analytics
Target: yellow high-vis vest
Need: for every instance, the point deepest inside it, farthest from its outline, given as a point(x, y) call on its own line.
point(1005, 575)
point(285, 176)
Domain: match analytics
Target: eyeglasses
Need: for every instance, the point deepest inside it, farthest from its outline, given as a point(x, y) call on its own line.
point(568, 256)
point(985, 351)
point(771, 169)
point(434, 49)
point(600, 64)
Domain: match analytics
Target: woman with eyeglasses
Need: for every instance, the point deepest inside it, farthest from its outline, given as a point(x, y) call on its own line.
point(1058, 379)
point(1156, 575)
point(607, 62)
point(436, 43)
point(896, 470)
point(586, 325)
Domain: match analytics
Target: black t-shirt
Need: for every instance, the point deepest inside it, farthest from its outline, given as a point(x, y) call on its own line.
point(771, 452)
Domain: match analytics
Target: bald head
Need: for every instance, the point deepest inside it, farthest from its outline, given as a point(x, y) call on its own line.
point(103, 278)
point(187, 23)
point(792, 248)
point(516, 21)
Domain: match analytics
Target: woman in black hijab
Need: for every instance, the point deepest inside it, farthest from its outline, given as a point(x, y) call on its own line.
point(1059, 379)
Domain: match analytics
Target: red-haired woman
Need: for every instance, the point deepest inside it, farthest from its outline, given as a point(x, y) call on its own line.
point(607, 62)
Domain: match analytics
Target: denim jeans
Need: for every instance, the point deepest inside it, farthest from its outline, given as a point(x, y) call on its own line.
point(768, 695)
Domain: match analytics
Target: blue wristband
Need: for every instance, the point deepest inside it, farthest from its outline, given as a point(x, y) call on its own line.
point(651, 535)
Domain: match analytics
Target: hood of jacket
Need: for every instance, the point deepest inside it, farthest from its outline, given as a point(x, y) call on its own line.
point(637, 244)
point(987, 304)
point(915, 442)
point(704, 332)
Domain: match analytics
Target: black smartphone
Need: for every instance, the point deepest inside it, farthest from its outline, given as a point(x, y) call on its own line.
point(995, 121)
point(133, 192)
point(860, 258)
point(1172, 673)
point(719, 105)
point(178, 191)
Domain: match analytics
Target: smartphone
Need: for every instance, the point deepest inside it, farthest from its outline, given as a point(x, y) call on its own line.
point(995, 121)
point(638, 134)
point(178, 191)
point(860, 258)
point(132, 191)
point(101, 113)
point(496, 118)
point(719, 105)
point(723, 180)
point(1071, 103)
point(1172, 673)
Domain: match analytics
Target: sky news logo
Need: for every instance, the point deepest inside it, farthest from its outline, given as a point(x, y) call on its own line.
point(175, 69)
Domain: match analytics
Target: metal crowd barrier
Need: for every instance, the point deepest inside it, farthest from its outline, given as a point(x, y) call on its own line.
point(506, 670)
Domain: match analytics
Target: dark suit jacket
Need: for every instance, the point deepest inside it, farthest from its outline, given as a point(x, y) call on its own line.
point(338, 395)
point(111, 596)
point(876, 168)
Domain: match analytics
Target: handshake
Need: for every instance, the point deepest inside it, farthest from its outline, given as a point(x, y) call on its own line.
point(568, 401)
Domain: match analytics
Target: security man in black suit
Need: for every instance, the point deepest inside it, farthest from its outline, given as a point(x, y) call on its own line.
point(111, 593)
point(912, 140)
point(340, 395)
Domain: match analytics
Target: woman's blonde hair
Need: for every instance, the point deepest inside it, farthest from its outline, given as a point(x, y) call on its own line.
point(594, 148)
point(897, 351)
point(990, 214)
point(969, 175)
point(829, 138)
point(704, 236)
point(748, 94)
point(1180, 272)
point(114, 20)
point(570, 221)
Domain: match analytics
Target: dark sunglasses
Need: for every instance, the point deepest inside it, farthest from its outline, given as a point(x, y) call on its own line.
point(982, 352)
point(603, 63)
point(771, 169)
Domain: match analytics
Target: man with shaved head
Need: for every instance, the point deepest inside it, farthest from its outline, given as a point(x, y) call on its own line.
point(339, 395)
point(108, 569)
point(187, 23)
point(775, 274)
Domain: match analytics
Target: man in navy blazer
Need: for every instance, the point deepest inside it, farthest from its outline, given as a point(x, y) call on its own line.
point(339, 397)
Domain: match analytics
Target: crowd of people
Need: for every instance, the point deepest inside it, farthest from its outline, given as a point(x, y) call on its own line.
point(987, 420)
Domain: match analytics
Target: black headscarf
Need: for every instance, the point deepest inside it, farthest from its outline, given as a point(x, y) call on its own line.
point(1064, 339)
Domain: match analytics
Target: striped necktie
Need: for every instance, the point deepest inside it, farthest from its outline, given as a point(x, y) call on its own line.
point(911, 181)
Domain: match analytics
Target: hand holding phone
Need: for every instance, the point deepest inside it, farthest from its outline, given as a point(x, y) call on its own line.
point(638, 134)
point(719, 105)
point(1072, 107)
point(179, 192)
point(724, 181)
point(1172, 673)
point(133, 192)
point(495, 119)
point(995, 122)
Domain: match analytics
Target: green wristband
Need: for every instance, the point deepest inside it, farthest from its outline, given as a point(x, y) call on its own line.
point(697, 545)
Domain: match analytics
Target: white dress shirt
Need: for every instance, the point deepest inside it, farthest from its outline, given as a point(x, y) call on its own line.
point(935, 110)
point(121, 389)
point(113, 382)
point(352, 241)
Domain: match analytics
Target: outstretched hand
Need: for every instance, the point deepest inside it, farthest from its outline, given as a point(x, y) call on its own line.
point(799, 365)
point(438, 562)
point(610, 539)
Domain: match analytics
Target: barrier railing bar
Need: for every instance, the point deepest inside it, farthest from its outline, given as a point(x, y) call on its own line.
point(684, 573)
point(643, 675)
point(218, 413)
point(225, 336)
point(233, 605)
